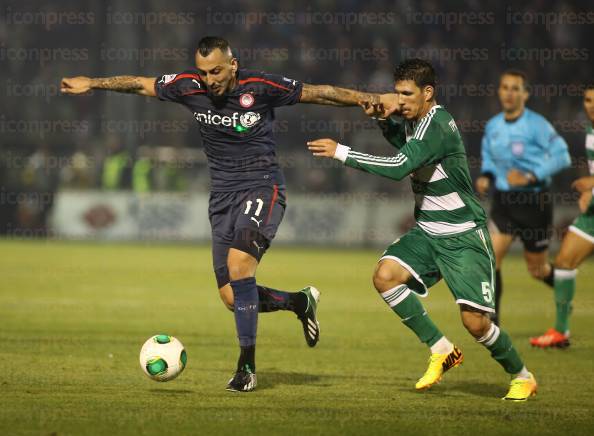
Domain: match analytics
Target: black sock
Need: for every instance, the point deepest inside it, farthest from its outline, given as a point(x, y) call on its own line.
point(247, 358)
point(271, 300)
point(550, 279)
point(498, 292)
point(300, 303)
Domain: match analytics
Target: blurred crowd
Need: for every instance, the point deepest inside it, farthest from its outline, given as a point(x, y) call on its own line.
point(119, 142)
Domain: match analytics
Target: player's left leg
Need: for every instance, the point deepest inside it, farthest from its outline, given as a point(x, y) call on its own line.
point(577, 245)
point(539, 266)
point(467, 264)
point(261, 211)
point(407, 268)
point(535, 222)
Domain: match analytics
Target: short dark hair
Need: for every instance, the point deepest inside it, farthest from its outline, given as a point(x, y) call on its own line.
point(588, 87)
point(207, 44)
point(517, 73)
point(418, 70)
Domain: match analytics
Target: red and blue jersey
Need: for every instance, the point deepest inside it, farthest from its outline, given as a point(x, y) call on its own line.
point(236, 128)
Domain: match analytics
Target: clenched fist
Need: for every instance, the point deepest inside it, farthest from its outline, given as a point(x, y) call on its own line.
point(75, 85)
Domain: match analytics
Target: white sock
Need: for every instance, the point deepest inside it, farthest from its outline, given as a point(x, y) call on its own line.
point(523, 374)
point(443, 346)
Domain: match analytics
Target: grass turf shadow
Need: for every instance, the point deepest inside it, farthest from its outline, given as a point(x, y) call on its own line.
point(269, 379)
point(487, 390)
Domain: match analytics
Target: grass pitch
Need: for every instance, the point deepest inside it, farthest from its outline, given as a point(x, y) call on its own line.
point(75, 315)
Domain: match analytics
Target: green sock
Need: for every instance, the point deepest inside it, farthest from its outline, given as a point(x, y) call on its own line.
point(564, 291)
point(407, 306)
point(502, 350)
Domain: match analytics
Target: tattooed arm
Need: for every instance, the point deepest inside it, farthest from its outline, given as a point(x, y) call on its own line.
point(127, 84)
point(334, 96)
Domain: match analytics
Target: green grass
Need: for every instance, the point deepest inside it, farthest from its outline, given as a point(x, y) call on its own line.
point(74, 316)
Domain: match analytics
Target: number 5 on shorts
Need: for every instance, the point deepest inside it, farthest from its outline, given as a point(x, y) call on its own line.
point(487, 292)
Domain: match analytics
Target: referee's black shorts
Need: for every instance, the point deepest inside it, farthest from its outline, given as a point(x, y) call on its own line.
point(527, 215)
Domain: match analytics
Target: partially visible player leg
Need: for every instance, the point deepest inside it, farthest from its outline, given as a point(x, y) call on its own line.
point(498, 342)
point(536, 236)
point(269, 299)
point(303, 303)
point(501, 244)
point(535, 226)
point(406, 268)
point(539, 266)
point(576, 246)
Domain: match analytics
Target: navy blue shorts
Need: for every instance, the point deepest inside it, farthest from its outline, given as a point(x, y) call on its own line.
point(245, 220)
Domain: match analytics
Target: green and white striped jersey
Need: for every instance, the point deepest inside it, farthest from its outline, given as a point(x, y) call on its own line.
point(431, 151)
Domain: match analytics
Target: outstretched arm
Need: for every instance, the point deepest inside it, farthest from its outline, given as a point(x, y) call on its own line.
point(335, 96)
point(128, 84)
point(415, 154)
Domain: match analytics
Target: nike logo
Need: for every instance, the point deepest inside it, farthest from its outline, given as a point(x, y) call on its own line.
point(196, 82)
point(256, 221)
point(451, 359)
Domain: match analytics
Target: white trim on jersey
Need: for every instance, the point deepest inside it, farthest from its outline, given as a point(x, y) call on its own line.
point(370, 157)
point(475, 305)
point(492, 262)
point(421, 125)
point(342, 152)
point(420, 131)
point(443, 228)
point(379, 161)
point(582, 234)
point(438, 174)
point(451, 201)
point(407, 267)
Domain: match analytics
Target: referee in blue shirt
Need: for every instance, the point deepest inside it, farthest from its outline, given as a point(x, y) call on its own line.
point(521, 151)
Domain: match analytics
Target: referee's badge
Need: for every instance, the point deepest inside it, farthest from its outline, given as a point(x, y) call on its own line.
point(517, 148)
point(246, 100)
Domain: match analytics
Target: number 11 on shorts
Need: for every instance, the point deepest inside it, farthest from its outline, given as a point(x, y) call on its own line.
point(248, 206)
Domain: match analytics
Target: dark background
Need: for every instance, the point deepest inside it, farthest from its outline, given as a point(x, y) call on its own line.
point(352, 44)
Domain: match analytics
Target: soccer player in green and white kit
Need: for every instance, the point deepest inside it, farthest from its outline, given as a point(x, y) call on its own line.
point(450, 239)
point(577, 244)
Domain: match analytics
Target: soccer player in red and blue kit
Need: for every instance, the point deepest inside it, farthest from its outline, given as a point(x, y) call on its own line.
point(234, 108)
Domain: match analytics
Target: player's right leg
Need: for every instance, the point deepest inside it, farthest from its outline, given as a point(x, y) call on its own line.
point(577, 245)
point(467, 264)
point(405, 268)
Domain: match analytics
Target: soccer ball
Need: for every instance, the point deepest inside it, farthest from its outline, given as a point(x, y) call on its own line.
point(163, 357)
